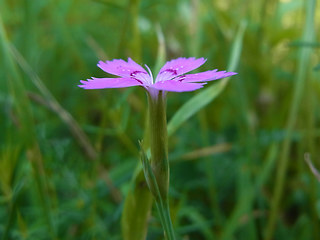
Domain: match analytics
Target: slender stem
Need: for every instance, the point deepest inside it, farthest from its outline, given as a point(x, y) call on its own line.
point(164, 212)
point(163, 220)
point(170, 230)
point(161, 203)
point(157, 173)
point(158, 141)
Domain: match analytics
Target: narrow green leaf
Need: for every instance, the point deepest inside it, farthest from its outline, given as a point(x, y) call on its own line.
point(199, 222)
point(207, 95)
point(246, 200)
point(303, 62)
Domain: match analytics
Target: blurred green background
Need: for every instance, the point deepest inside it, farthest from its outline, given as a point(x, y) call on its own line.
point(67, 156)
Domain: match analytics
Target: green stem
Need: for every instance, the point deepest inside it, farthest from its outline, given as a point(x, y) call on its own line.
point(157, 172)
point(158, 141)
point(170, 231)
point(162, 204)
point(164, 212)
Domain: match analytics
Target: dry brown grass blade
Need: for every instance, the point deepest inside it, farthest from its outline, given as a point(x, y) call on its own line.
point(311, 166)
point(207, 151)
point(49, 100)
point(66, 117)
point(115, 193)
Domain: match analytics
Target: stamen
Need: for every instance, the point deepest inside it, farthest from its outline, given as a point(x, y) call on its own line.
point(150, 73)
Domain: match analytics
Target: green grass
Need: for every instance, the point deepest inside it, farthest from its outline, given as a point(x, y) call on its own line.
point(69, 158)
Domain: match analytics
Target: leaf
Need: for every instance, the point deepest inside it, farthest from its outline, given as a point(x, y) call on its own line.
point(207, 95)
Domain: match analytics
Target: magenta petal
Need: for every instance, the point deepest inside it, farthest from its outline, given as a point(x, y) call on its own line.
point(171, 76)
point(205, 76)
point(176, 86)
point(125, 69)
point(177, 67)
point(99, 83)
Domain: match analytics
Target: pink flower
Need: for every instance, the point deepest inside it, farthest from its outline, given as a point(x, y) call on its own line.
point(171, 77)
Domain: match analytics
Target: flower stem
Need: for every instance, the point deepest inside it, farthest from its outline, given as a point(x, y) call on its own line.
point(170, 231)
point(164, 211)
point(157, 172)
point(158, 141)
point(162, 204)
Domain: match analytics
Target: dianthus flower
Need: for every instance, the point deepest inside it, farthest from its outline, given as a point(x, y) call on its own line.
point(171, 77)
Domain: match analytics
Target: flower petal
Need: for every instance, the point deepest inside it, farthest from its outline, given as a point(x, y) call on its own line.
point(177, 67)
point(176, 86)
point(99, 83)
point(125, 69)
point(204, 76)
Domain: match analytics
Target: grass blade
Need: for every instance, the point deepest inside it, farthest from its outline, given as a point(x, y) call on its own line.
point(303, 62)
point(207, 95)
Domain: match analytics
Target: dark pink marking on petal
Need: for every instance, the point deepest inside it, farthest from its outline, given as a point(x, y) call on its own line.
point(100, 83)
point(177, 67)
point(125, 69)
